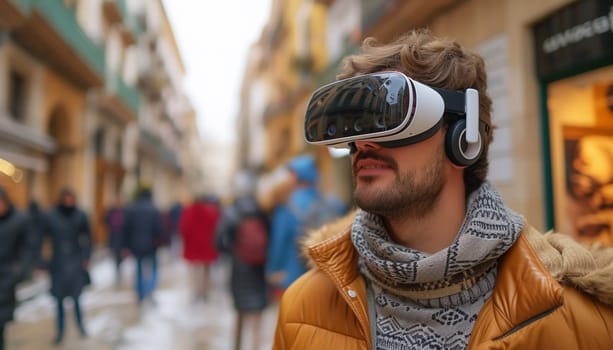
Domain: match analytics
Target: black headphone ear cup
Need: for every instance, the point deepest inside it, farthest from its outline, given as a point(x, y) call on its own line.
point(455, 145)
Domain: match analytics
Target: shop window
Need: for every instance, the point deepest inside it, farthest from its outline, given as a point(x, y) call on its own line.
point(581, 130)
point(17, 95)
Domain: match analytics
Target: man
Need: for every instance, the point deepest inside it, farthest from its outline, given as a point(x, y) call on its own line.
point(16, 254)
point(67, 227)
point(143, 230)
point(432, 259)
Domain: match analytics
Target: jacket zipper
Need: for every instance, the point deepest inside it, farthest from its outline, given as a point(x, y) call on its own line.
point(527, 322)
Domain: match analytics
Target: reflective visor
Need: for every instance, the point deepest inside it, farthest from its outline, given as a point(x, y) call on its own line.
point(375, 104)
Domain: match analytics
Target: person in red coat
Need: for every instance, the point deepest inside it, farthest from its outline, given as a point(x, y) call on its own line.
point(197, 228)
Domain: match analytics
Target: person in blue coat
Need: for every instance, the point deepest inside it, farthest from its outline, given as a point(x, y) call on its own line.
point(69, 232)
point(306, 208)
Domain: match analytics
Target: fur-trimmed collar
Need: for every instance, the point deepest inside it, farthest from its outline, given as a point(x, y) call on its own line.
point(589, 269)
point(335, 228)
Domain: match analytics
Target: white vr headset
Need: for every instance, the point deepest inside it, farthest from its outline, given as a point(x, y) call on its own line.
point(391, 109)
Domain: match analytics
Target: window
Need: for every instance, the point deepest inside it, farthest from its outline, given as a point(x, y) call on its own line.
point(17, 95)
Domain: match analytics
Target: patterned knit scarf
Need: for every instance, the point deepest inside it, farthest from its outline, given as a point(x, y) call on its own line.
point(427, 301)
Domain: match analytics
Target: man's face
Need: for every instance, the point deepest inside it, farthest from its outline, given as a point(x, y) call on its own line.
point(402, 181)
point(68, 200)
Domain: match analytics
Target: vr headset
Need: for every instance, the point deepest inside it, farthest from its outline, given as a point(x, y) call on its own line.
point(394, 110)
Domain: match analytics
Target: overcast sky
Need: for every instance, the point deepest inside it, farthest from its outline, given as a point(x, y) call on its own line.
point(214, 37)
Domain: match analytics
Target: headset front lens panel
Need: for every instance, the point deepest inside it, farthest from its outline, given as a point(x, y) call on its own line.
point(360, 105)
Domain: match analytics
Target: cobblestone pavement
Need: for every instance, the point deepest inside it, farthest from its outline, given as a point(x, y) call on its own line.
point(114, 321)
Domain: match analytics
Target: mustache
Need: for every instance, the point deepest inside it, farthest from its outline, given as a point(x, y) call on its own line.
point(369, 154)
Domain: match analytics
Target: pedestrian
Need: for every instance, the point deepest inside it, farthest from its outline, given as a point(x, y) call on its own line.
point(113, 220)
point(143, 231)
point(16, 254)
point(432, 258)
point(197, 229)
point(242, 233)
point(36, 219)
point(68, 230)
point(304, 208)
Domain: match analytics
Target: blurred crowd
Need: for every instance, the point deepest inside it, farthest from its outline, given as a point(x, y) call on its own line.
point(257, 231)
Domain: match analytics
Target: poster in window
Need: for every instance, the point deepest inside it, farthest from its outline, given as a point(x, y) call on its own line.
point(588, 166)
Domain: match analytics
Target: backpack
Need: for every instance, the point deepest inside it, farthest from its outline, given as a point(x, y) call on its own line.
point(251, 241)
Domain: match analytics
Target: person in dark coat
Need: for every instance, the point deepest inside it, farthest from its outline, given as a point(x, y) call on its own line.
point(16, 252)
point(67, 227)
point(143, 230)
point(113, 219)
point(247, 281)
point(36, 220)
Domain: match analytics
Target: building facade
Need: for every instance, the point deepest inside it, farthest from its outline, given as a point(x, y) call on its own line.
point(49, 64)
point(91, 97)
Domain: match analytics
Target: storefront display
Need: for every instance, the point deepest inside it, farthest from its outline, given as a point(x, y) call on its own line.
point(574, 62)
point(581, 130)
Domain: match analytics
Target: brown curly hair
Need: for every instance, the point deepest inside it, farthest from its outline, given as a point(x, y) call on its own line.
point(434, 61)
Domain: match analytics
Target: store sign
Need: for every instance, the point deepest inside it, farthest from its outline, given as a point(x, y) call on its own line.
point(578, 34)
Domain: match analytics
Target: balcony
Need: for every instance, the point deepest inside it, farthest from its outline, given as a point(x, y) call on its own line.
point(116, 12)
point(152, 77)
point(152, 145)
point(50, 31)
point(172, 120)
point(120, 99)
point(24, 145)
point(25, 136)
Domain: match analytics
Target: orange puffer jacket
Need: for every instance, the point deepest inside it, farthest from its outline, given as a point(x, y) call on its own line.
point(529, 309)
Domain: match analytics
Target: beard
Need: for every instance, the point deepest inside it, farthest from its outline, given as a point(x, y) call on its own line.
point(412, 193)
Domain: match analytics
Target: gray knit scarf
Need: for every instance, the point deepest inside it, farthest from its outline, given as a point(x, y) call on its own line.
point(427, 301)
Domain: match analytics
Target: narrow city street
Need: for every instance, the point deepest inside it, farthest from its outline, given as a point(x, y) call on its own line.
point(114, 320)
